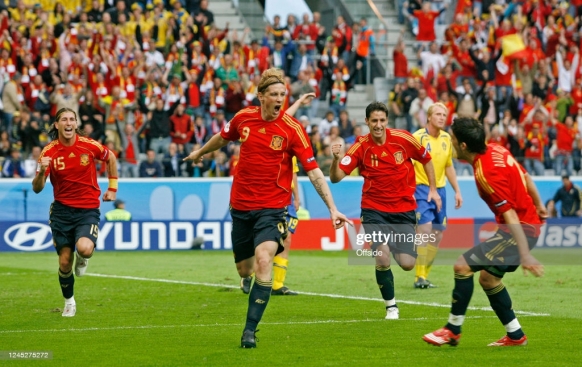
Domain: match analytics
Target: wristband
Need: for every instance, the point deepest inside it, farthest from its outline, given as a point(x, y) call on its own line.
point(112, 184)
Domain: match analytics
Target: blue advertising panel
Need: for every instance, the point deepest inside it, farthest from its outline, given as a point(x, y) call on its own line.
point(124, 236)
point(207, 199)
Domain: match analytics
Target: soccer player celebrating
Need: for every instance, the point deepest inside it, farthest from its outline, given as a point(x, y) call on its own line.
point(281, 261)
point(74, 215)
point(432, 222)
point(512, 196)
point(384, 158)
point(261, 188)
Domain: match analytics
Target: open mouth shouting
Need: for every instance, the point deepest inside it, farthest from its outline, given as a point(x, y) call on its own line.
point(277, 109)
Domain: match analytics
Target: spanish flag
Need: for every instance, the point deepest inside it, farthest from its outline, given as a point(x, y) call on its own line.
point(512, 47)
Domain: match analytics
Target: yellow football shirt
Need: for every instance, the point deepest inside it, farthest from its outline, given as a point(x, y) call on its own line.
point(441, 151)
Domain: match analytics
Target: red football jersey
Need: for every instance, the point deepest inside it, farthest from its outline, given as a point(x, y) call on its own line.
point(501, 184)
point(389, 180)
point(73, 173)
point(265, 171)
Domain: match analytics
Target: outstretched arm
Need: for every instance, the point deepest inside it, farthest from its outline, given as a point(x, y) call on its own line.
point(304, 99)
point(215, 143)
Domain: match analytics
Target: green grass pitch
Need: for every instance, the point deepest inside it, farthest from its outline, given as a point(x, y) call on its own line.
point(185, 309)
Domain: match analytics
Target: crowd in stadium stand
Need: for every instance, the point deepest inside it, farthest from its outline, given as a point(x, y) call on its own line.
point(145, 74)
point(513, 65)
point(154, 79)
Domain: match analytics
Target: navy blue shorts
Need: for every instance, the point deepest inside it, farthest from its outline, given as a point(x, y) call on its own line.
point(69, 224)
point(251, 228)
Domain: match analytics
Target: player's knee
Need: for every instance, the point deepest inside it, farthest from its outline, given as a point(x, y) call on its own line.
point(488, 281)
point(461, 266)
point(85, 247)
point(407, 266)
point(65, 265)
point(264, 262)
point(405, 261)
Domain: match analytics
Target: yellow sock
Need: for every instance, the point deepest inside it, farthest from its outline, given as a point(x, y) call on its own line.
point(431, 251)
point(421, 262)
point(280, 271)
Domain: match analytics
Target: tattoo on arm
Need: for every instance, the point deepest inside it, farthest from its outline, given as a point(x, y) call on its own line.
point(319, 185)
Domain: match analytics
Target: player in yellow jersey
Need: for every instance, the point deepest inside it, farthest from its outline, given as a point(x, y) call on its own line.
point(281, 261)
point(431, 221)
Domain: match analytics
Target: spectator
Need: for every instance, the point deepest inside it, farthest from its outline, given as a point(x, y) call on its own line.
point(219, 166)
point(13, 166)
point(325, 159)
point(408, 95)
point(534, 151)
point(234, 100)
point(130, 152)
point(300, 87)
point(426, 22)
point(89, 114)
point(181, 129)
point(12, 97)
point(419, 110)
point(400, 61)
point(172, 162)
point(346, 126)
point(118, 214)
point(567, 137)
point(571, 197)
point(5, 144)
point(150, 167)
point(159, 127)
point(199, 169)
point(326, 124)
point(339, 95)
point(365, 50)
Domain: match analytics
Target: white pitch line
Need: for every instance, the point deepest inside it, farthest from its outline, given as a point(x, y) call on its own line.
point(222, 325)
point(357, 298)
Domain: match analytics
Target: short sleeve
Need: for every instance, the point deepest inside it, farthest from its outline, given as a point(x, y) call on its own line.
point(495, 184)
point(230, 130)
point(302, 149)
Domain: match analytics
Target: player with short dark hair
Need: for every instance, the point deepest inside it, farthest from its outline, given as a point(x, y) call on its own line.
point(261, 188)
point(69, 160)
point(513, 197)
point(432, 222)
point(384, 158)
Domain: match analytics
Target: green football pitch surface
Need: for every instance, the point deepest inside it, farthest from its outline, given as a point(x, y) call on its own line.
point(185, 309)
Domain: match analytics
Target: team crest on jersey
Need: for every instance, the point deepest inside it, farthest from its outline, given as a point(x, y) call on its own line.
point(84, 159)
point(398, 157)
point(277, 142)
point(444, 146)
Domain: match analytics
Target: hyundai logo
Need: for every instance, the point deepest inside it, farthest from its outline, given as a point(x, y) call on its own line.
point(28, 236)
